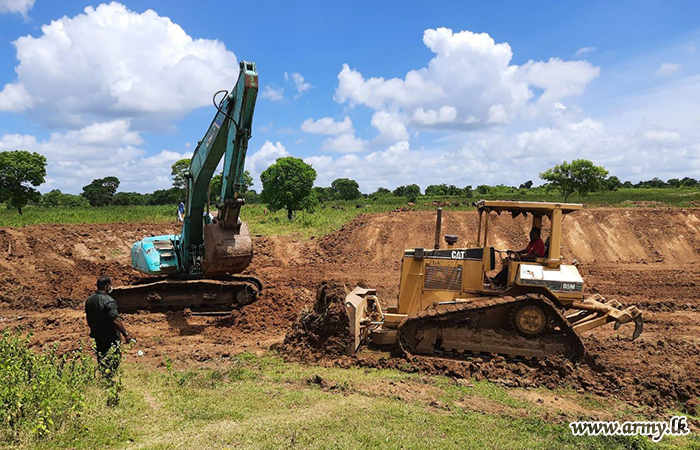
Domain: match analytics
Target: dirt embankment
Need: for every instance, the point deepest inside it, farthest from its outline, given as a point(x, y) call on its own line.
point(647, 257)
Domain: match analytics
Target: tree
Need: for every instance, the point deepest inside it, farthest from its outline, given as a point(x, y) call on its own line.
point(346, 188)
point(581, 176)
point(247, 182)
point(287, 184)
point(526, 185)
point(171, 196)
point(325, 194)
point(483, 189)
point(411, 192)
point(19, 171)
point(129, 198)
point(179, 172)
point(215, 188)
point(436, 190)
point(57, 198)
point(689, 182)
point(381, 192)
point(467, 191)
point(101, 191)
point(612, 183)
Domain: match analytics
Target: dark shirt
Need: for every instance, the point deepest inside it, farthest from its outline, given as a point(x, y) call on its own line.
point(101, 310)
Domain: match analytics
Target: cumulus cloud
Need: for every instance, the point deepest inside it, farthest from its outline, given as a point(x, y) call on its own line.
point(273, 93)
point(496, 157)
point(390, 127)
point(344, 143)
point(473, 76)
point(109, 63)
point(668, 68)
point(98, 150)
point(327, 125)
point(263, 158)
point(16, 6)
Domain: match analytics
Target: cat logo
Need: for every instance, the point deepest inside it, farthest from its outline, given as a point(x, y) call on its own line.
point(458, 254)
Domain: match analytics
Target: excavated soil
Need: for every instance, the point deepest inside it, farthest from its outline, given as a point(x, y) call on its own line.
point(643, 256)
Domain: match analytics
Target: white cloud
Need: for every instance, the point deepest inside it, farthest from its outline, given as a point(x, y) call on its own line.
point(300, 84)
point(327, 125)
point(263, 158)
point(16, 6)
point(584, 50)
point(110, 62)
point(446, 114)
point(469, 83)
point(273, 93)
point(495, 156)
point(344, 143)
point(98, 150)
point(668, 68)
point(391, 128)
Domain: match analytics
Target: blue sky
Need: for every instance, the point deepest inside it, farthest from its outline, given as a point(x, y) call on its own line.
point(387, 93)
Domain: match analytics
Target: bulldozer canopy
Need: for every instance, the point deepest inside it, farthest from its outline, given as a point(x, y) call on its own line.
point(536, 208)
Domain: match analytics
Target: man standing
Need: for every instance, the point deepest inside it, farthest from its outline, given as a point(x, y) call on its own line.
point(105, 325)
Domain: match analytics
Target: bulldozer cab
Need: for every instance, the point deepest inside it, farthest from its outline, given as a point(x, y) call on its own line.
point(513, 265)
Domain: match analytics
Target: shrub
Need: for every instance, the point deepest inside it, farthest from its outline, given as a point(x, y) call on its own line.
point(39, 391)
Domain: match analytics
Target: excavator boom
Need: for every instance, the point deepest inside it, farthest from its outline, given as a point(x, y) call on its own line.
point(196, 269)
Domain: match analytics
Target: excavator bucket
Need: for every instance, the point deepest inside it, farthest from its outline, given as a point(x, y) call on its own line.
point(227, 250)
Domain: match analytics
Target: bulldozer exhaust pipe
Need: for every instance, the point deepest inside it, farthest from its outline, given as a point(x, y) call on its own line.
point(438, 228)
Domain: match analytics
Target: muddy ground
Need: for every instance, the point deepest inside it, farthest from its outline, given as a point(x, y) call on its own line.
point(643, 256)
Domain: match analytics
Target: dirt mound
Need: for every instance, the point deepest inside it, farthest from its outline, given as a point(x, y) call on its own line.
point(46, 266)
point(321, 331)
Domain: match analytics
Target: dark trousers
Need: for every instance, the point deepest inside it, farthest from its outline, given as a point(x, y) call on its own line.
point(108, 355)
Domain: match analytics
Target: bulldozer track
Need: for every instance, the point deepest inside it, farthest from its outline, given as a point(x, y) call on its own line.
point(463, 330)
point(201, 295)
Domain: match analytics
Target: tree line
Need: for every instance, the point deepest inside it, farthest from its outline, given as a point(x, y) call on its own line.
point(288, 184)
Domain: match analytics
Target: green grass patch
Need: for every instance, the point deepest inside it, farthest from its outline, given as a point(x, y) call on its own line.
point(331, 216)
point(262, 402)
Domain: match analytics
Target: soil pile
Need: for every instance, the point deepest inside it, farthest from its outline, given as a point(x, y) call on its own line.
point(321, 331)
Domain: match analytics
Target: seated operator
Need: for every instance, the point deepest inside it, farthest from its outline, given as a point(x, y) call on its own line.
point(535, 249)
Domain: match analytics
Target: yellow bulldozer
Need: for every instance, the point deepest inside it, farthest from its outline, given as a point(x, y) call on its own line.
point(452, 303)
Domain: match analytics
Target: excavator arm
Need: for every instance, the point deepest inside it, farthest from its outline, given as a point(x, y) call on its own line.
point(226, 137)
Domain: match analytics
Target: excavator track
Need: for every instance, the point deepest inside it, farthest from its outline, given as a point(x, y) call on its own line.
point(202, 295)
point(487, 326)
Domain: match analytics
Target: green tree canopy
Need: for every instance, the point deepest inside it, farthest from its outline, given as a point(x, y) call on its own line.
point(411, 192)
point(581, 176)
point(288, 184)
point(179, 173)
point(380, 192)
point(346, 188)
point(101, 191)
point(58, 198)
point(19, 171)
point(325, 194)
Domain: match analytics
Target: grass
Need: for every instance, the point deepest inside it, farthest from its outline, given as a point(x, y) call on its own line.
point(331, 216)
point(261, 402)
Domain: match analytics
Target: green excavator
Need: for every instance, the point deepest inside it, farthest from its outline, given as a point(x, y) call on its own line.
point(198, 268)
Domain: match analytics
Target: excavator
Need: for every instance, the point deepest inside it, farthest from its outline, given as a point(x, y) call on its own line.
point(197, 268)
point(452, 304)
